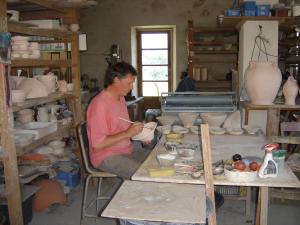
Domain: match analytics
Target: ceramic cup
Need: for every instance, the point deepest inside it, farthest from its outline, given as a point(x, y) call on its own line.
point(70, 87)
point(62, 86)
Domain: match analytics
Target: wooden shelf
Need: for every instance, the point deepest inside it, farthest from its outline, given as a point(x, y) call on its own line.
point(196, 60)
point(61, 130)
point(238, 21)
point(40, 63)
point(39, 101)
point(212, 29)
point(195, 43)
point(222, 52)
point(15, 27)
point(214, 85)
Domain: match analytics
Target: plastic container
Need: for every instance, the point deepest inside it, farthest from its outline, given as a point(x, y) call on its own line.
point(279, 158)
point(233, 12)
point(263, 10)
point(249, 5)
point(71, 179)
point(280, 12)
point(249, 12)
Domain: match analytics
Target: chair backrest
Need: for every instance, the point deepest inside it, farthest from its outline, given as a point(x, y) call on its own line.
point(84, 146)
point(291, 127)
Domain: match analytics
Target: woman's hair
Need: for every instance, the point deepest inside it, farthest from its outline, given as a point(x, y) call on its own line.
point(120, 70)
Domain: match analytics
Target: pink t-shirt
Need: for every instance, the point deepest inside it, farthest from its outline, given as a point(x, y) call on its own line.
point(103, 120)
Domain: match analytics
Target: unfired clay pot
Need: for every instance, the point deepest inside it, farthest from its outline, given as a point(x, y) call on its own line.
point(262, 82)
point(290, 90)
point(49, 80)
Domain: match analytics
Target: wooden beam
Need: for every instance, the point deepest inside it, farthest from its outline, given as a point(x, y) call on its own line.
point(208, 174)
point(273, 119)
point(11, 174)
point(69, 16)
point(47, 4)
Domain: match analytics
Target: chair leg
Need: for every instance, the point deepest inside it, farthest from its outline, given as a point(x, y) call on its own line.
point(83, 205)
point(98, 194)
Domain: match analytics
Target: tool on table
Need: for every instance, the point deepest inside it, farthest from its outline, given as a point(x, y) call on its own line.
point(269, 168)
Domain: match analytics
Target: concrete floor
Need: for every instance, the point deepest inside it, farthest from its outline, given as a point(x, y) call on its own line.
point(231, 213)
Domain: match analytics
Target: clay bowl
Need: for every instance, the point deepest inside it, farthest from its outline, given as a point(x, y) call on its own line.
point(147, 133)
point(18, 96)
point(166, 120)
point(188, 119)
point(214, 119)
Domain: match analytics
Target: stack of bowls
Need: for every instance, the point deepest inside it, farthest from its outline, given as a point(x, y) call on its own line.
point(21, 48)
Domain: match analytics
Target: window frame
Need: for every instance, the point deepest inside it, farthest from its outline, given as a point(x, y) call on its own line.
point(140, 81)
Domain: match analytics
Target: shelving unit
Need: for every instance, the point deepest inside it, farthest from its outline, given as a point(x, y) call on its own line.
point(35, 9)
point(204, 52)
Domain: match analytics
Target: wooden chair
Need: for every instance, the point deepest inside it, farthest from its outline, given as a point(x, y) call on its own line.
point(291, 127)
point(91, 173)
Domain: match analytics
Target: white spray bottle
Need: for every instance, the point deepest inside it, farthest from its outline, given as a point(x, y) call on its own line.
point(269, 168)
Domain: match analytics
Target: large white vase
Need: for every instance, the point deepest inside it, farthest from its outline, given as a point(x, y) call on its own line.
point(290, 91)
point(262, 82)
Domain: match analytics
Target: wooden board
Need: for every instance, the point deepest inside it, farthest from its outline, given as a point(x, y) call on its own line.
point(176, 203)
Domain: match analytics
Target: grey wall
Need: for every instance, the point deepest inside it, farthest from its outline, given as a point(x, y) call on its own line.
point(110, 23)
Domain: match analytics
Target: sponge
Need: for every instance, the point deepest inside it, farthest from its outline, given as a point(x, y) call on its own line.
point(161, 172)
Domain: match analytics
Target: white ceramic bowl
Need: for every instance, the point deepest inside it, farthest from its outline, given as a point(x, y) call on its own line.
point(147, 133)
point(217, 130)
point(166, 159)
point(166, 120)
point(214, 119)
point(188, 119)
point(18, 96)
point(179, 129)
point(251, 129)
point(240, 176)
point(164, 129)
point(57, 144)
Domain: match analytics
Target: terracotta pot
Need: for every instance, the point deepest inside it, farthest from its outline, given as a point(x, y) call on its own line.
point(290, 91)
point(262, 82)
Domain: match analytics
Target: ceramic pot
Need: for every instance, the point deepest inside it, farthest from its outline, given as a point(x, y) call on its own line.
point(49, 80)
point(25, 116)
point(290, 90)
point(262, 82)
point(18, 96)
point(62, 86)
point(42, 115)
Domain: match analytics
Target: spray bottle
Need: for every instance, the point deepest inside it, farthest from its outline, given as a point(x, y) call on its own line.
point(269, 168)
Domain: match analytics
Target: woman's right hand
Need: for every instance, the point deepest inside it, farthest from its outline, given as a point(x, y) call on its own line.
point(135, 129)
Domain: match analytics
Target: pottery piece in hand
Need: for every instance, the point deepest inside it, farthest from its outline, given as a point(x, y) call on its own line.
point(147, 134)
point(262, 82)
point(290, 90)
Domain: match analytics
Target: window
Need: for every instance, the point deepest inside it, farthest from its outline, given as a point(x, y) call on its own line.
point(154, 62)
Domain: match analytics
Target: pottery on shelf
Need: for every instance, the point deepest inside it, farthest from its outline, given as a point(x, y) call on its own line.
point(214, 119)
point(33, 88)
point(290, 91)
point(233, 120)
point(18, 96)
point(49, 80)
point(188, 119)
point(262, 82)
point(166, 120)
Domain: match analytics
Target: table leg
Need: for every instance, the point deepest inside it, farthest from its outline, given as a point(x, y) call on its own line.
point(264, 195)
point(273, 120)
